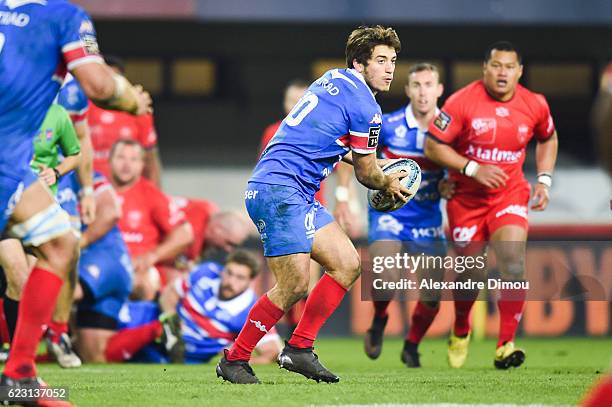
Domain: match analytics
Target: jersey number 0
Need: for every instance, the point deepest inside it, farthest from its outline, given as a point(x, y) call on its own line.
point(305, 105)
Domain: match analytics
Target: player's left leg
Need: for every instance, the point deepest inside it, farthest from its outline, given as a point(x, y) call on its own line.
point(40, 223)
point(337, 255)
point(507, 224)
point(508, 242)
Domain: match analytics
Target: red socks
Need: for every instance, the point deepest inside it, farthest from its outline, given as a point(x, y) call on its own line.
point(57, 329)
point(510, 307)
point(322, 302)
point(422, 318)
point(380, 308)
point(36, 307)
point(262, 317)
point(295, 313)
point(127, 342)
point(462, 317)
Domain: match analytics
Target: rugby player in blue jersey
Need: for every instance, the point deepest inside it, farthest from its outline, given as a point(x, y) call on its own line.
point(39, 42)
point(337, 114)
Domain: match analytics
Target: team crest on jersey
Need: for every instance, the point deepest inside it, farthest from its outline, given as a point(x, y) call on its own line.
point(442, 121)
point(502, 111)
point(134, 218)
point(373, 137)
point(377, 119)
point(523, 131)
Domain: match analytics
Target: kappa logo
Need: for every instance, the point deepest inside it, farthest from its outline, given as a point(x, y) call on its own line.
point(442, 121)
point(464, 234)
point(134, 218)
point(259, 325)
point(502, 111)
point(377, 119)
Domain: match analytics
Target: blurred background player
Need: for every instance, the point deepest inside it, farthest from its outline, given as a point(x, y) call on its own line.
point(294, 90)
point(417, 227)
point(212, 303)
point(30, 82)
point(215, 232)
point(480, 135)
point(105, 268)
point(73, 99)
point(338, 113)
point(108, 126)
point(154, 229)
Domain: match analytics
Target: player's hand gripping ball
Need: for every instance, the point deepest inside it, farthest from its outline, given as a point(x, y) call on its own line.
point(383, 202)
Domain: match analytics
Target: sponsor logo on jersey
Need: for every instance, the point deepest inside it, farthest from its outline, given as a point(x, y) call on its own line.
point(427, 233)
point(377, 119)
point(494, 154)
point(482, 126)
point(464, 234)
point(309, 223)
point(442, 121)
point(132, 237)
point(518, 210)
point(502, 111)
point(90, 43)
point(373, 137)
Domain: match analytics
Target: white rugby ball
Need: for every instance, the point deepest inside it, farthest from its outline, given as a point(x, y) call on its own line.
point(384, 203)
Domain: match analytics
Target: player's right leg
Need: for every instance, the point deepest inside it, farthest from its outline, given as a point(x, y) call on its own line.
point(338, 257)
point(41, 224)
point(467, 222)
point(286, 221)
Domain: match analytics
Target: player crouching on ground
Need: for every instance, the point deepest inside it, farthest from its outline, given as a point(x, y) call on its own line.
point(202, 314)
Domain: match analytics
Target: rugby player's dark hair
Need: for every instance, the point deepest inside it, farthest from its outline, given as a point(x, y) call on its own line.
point(503, 46)
point(126, 142)
point(115, 62)
point(362, 40)
point(423, 66)
point(245, 258)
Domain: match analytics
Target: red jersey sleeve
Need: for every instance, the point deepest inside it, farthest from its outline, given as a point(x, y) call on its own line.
point(449, 123)
point(544, 127)
point(147, 136)
point(166, 214)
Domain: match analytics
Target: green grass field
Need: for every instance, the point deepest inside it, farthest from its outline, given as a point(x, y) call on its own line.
point(557, 372)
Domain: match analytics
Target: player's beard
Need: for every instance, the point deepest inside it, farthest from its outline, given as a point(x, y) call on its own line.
point(226, 293)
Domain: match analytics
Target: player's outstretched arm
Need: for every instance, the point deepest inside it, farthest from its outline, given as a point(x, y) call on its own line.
point(110, 90)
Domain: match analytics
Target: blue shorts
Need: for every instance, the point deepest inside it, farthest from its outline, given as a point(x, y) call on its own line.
point(425, 236)
point(105, 274)
point(12, 187)
point(286, 218)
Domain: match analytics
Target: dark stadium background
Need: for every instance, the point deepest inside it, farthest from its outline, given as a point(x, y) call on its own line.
point(217, 70)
